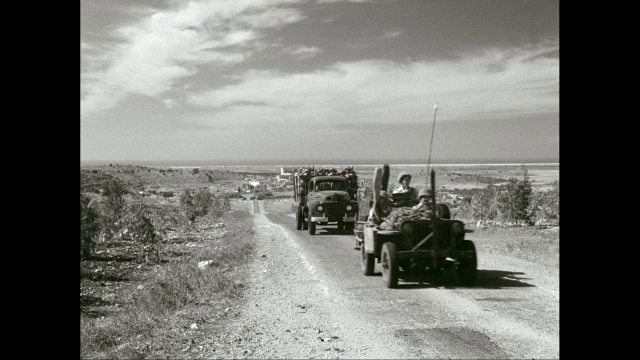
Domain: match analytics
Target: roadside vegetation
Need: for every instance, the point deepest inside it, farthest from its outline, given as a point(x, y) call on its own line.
point(161, 265)
point(155, 268)
point(514, 203)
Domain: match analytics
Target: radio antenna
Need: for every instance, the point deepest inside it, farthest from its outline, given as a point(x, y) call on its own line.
point(433, 128)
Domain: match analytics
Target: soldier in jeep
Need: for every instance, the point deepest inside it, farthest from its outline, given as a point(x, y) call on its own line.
point(424, 198)
point(405, 194)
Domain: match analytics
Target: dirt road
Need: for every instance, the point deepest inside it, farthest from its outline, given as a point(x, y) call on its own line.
point(307, 298)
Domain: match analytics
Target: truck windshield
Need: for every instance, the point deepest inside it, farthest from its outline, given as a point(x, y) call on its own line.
point(330, 185)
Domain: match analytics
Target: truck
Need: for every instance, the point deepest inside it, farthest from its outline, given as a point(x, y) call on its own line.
point(404, 246)
point(325, 197)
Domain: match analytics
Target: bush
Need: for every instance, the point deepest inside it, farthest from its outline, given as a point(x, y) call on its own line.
point(142, 228)
point(113, 193)
point(186, 203)
point(90, 227)
point(167, 194)
point(201, 203)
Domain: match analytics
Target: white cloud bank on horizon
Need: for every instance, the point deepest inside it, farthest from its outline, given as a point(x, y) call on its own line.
point(168, 45)
point(494, 84)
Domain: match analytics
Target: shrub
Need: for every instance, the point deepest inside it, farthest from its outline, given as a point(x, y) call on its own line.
point(143, 230)
point(202, 202)
point(113, 193)
point(90, 227)
point(186, 203)
point(198, 204)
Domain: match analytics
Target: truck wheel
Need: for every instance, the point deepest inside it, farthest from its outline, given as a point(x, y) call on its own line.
point(312, 227)
point(389, 262)
point(340, 225)
point(468, 264)
point(349, 226)
point(368, 262)
point(298, 219)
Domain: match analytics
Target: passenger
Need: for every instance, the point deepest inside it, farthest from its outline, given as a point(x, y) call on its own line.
point(405, 194)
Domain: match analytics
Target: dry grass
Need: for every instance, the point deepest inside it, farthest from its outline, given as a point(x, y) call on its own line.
point(153, 316)
point(534, 244)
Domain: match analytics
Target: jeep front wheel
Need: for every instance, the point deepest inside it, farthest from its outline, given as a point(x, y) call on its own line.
point(312, 227)
point(389, 263)
point(468, 264)
point(368, 262)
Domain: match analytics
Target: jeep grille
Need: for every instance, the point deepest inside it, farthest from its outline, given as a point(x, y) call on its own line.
point(422, 228)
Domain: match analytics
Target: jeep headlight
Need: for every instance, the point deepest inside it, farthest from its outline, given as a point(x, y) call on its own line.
point(319, 208)
point(456, 228)
point(349, 208)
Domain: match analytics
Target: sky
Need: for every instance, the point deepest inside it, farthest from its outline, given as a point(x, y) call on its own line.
point(281, 80)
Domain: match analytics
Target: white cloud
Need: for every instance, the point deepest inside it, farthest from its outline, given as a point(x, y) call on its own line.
point(169, 103)
point(168, 45)
point(302, 52)
point(391, 34)
point(333, 1)
point(494, 84)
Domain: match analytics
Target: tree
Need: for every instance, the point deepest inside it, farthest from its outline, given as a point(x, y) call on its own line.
point(522, 198)
point(514, 199)
point(483, 204)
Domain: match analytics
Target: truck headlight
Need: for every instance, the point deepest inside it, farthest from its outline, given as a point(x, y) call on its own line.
point(349, 208)
point(319, 208)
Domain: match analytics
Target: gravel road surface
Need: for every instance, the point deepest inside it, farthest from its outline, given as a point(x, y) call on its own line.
point(306, 297)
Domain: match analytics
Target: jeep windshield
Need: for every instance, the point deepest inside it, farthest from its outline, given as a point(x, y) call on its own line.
point(330, 185)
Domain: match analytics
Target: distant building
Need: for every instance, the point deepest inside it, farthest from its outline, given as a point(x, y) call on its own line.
point(284, 171)
point(285, 178)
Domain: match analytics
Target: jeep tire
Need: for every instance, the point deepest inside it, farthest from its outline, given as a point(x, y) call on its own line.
point(368, 261)
point(389, 263)
point(468, 264)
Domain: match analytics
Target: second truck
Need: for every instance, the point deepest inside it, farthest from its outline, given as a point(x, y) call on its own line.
point(325, 197)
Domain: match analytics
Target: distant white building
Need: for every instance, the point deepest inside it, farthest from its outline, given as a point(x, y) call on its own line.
point(285, 178)
point(258, 186)
point(284, 171)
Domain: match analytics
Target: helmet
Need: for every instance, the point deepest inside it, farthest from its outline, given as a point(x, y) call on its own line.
point(403, 174)
point(424, 192)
